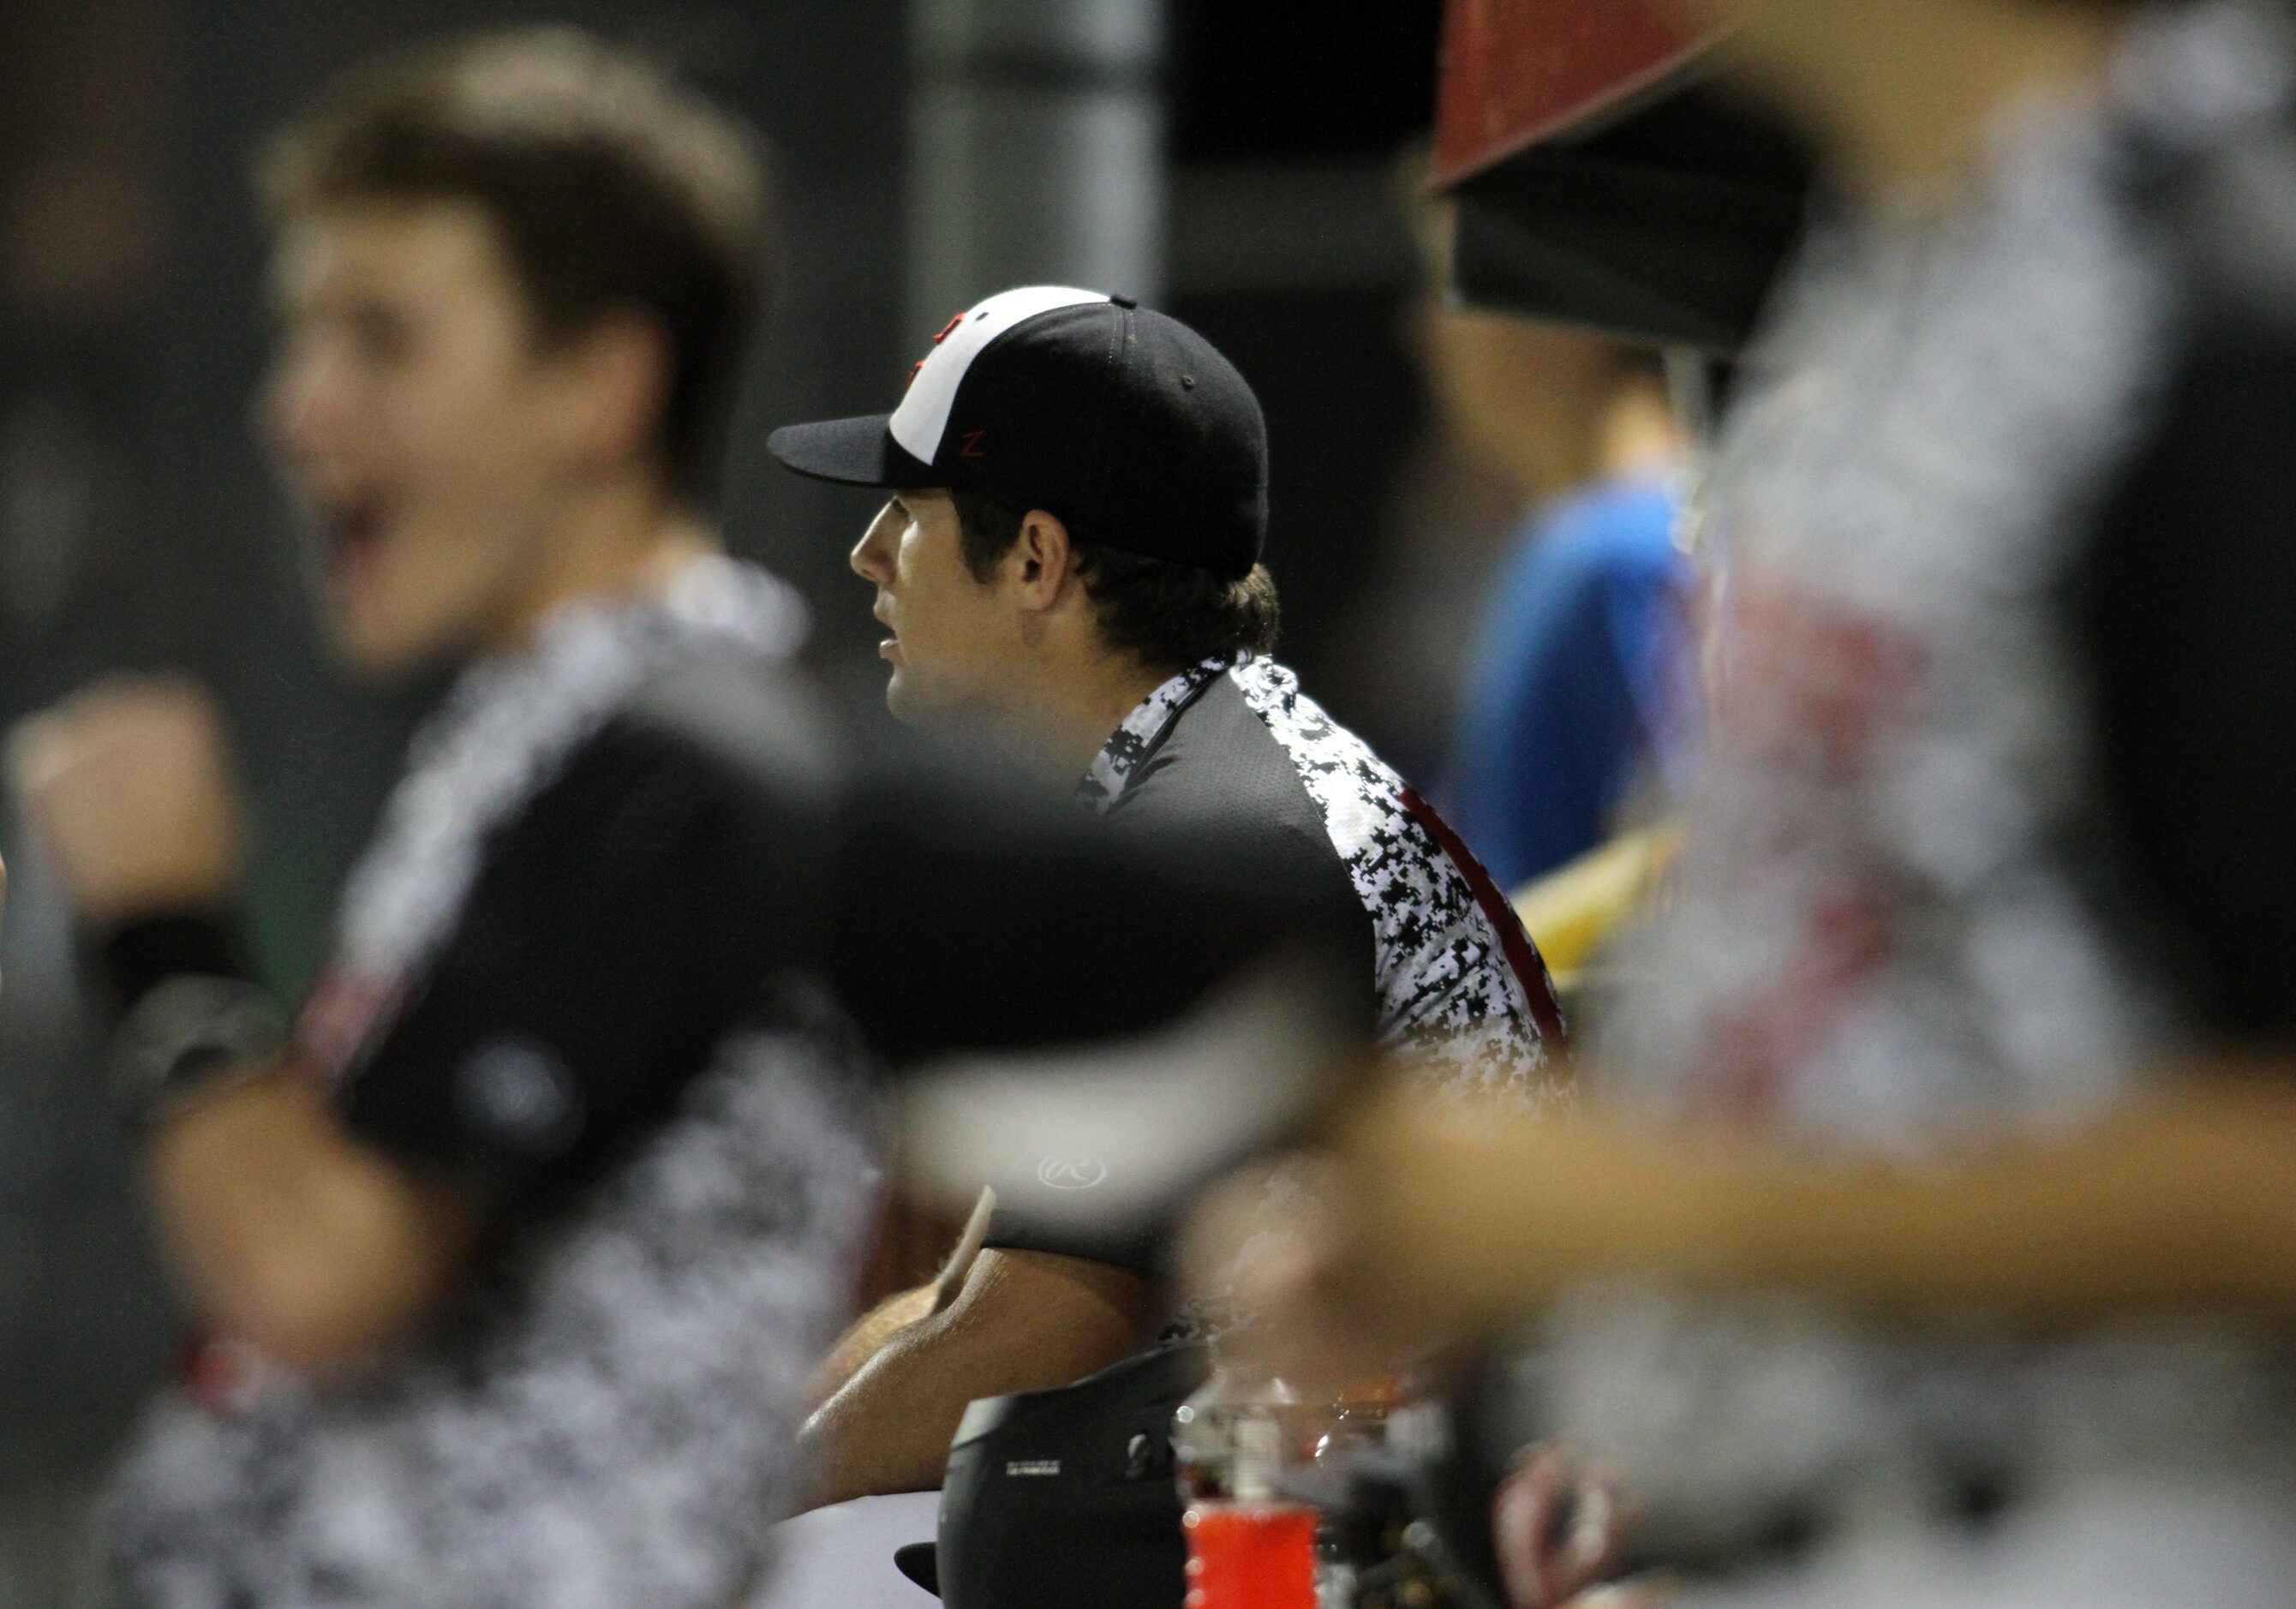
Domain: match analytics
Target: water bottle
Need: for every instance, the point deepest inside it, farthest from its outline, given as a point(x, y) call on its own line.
point(1247, 1548)
point(1353, 1428)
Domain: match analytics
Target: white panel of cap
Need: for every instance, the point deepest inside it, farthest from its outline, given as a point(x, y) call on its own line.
point(923, 414)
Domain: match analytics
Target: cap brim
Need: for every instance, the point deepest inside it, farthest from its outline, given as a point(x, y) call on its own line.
point(855, 452)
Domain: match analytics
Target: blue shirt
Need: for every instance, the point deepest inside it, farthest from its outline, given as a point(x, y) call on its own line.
point(1571, 695)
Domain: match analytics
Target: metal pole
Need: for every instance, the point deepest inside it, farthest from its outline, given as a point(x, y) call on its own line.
point(1037, 150)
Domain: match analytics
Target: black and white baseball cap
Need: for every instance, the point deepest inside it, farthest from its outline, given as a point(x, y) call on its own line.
point(1125, 423)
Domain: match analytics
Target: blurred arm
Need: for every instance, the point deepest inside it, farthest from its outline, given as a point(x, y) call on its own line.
point(290, 1234)
point(285, 1230)
point(1023, 1321)
point(1445, 1225)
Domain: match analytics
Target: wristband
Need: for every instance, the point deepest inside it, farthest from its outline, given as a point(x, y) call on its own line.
point(188, 1038)
point(131, 960)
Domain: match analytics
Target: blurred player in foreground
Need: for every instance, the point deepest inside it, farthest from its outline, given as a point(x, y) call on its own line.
point(514, 1251)
point(1962, 1275)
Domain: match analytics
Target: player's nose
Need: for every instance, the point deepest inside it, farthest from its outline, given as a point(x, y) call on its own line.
point(872, 557)
point(301, 410)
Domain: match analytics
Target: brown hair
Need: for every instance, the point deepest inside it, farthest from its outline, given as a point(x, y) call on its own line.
point(1167, 616)
point(612, 187)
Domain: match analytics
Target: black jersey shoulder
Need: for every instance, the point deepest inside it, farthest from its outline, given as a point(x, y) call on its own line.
point(1219, 764)
point(613, 935)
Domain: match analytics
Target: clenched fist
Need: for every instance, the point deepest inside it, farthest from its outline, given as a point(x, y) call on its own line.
point(130, 785)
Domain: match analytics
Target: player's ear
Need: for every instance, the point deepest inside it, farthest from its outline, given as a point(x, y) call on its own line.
point(1041, 560)
point(614, 382)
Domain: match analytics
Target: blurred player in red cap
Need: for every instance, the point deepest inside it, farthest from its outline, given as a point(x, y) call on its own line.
point(1988, 869)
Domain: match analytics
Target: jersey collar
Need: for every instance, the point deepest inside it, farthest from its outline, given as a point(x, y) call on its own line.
point(1111, 769)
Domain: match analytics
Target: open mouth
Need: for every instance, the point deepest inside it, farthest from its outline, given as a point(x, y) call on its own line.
point(353, 530)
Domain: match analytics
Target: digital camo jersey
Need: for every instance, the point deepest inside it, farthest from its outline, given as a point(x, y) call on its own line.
point(609, 1420)
point(1886, 932)
point(1459, 984)
point(611, 1423)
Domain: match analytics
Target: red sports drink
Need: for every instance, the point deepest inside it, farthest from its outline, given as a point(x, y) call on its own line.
point(1248, 1548)
point(1250, 1556)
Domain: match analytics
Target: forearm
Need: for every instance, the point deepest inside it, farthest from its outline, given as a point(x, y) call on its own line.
point(866, 1336)
point(888, 1427)
point(871, 1332)
point(1023, 1321)
point(285, 1231)
point(2188, 1199)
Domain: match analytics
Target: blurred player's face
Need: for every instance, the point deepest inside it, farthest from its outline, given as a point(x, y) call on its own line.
point(953, 642)
point(422, 432)
point(1521, 394)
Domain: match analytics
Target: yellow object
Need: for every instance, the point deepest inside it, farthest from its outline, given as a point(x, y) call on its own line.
point(1572, 909)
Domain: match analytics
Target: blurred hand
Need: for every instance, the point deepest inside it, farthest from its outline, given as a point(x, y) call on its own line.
point(1558, 1528)
point(1290, 1265)
point(1430, 1222)
point(129, 783)
point(1339, 1276)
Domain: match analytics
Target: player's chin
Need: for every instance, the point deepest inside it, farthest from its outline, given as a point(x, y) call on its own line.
point(903, 696)
point(375, 645)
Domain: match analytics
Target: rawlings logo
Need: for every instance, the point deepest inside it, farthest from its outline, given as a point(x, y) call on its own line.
point(1071, 1173)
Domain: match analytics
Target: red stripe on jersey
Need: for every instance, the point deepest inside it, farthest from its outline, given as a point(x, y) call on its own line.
point(1522, 955)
